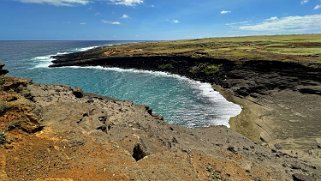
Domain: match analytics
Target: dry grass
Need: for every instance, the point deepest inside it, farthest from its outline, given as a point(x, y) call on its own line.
point(298, 48)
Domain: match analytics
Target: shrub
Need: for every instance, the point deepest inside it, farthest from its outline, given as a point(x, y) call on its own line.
point(207, 69)
point(2, 138)
point(211, 69)
point(214, 175)
point(166, 66)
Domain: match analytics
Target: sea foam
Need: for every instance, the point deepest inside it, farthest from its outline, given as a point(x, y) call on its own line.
point(46, 61)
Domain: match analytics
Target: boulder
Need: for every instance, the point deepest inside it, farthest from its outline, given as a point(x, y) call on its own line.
point(77, 92)
point(3, 71)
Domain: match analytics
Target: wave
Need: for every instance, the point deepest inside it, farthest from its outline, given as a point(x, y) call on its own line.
point(226, 108)
point(84, 49)
point(45, 61)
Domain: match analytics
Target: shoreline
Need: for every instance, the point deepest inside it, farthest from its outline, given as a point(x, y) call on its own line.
point(243, 123)
point(63, 130)
point(206, 93)
point(268, 90)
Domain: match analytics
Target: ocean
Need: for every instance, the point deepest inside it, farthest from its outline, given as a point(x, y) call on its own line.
point(178, 99)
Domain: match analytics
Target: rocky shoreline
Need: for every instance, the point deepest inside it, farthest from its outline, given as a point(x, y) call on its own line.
point(281, 99)
point(247, 79)
point(55, 132)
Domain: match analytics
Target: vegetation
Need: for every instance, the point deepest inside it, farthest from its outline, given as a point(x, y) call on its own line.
point(2, 138)
point(166, 66)
point(207, 69)
point(297, 48)
point(214, 175)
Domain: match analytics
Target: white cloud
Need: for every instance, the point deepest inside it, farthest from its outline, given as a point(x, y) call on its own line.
point(82, 2)
point(124, 16)
point(127, 2)
point(225, 12)
point(58, 2)
point(111, 22)
point(304, 1)
point(273, 18)
point(83, 23)
point(115, 23)
point(290, 24)
point(175, 21)
point(317, 7)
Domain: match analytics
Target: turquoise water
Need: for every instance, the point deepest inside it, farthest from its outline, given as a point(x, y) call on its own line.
point(180, 100)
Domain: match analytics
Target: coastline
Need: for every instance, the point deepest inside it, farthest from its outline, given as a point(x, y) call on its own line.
point(268, 90)
point(63, 130)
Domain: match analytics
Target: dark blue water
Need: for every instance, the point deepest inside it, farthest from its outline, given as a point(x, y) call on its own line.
point(178, 99)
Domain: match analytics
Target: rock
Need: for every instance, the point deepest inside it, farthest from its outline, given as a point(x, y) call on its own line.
point(301, 177)
point(140, 151)
point(3, 71)
point(231, 149)
point(310, 90)
point(77, 92)
point(76, 142)
point(29, 127)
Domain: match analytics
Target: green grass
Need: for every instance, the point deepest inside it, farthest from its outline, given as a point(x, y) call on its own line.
point(297, 51)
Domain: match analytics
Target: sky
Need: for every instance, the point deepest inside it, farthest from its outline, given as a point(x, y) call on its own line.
point(155, 19)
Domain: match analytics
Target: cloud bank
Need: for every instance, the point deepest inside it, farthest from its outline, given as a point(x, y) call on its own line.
point(58, 2)
point(290, 24)
point(127, 2)
point(82, 2)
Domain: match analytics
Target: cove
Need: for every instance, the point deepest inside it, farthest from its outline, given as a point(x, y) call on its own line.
point(178, 99)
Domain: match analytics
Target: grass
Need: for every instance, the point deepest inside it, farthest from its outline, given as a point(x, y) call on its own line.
point(296, 48)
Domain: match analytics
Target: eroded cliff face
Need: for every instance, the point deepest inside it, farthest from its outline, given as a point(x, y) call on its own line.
point(55, 132)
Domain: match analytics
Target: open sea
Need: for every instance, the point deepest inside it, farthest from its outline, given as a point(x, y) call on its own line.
point(178, 99)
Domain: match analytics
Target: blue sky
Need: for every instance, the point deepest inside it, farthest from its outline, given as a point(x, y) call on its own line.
point(154, 19)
